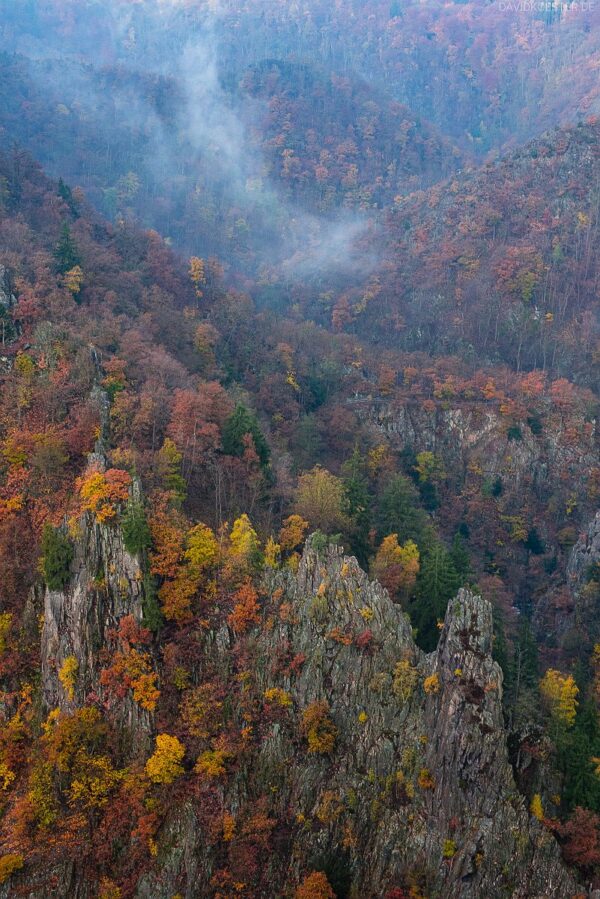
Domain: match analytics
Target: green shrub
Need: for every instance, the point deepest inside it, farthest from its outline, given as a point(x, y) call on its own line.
point(136, 533)
point(57, 556)
point(151, 613)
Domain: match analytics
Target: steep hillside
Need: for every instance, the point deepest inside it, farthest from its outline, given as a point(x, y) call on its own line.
point(131, 453)
point(338, 325)
point(279, 150)
point(489, 75)
point(499, 263)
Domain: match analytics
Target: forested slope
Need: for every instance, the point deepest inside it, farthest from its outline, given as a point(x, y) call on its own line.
point(281, 282)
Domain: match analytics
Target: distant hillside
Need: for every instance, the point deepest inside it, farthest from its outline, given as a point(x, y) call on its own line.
point(499, 263)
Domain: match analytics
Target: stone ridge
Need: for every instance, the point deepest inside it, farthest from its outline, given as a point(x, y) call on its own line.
point(418, 787)
point(106, 585)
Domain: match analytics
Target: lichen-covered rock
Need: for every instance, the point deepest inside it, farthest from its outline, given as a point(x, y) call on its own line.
point(477, 435)
point(106, 584)
point(7, 297)
point(584, 554)
point(581, 614)
point(409, 778)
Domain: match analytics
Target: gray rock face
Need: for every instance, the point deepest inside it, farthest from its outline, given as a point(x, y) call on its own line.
point(582, 587)
point(584, 554)
point(465, 436)
point(419, 783)
point(7, 298)
point(8, 329)
point(106, 585)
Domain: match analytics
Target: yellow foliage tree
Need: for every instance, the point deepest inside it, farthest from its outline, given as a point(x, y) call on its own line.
point(536, 808)
point(320, 500)
point(431, 684)
point(272, 553)
point(292, 533)
point(94, 782)
point(109, 889)
point(396, 566)
point(211, 763)
point(197, 274)
point(277, 696)
point(101, 492)
point(429, 467)
point(405, 680)
point(40, 795)
point(315, 886)
point(228, 827)
point(318, 728)
point(243, 539)
point(6, 776)
point(67, 675)
point(5, 623)
point(164, 766)
point(9, 864)
point(559, 692)
point(202, 548)
point(73, 279)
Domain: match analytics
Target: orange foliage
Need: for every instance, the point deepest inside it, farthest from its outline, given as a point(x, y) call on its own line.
point(315, 886)
point(318, 728)
point(101, 492)
point(168, 536)
point(176, 596)
point(292, 533)
point(246, 610)
point(131, 669)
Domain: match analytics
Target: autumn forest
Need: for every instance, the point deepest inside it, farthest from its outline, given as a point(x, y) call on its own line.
point(299, 452)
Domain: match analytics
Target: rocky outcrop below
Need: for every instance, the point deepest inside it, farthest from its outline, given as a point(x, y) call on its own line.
point(584, 555)
point(477, 437)
point(418, 788)
point(583, 585)
point(81, 620)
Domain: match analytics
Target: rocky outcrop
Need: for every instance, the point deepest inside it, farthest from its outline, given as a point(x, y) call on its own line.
point(8, 329)
point(583, 585)
point(476, 435)
point(418, 789)
point(584, 555)
point(7, 297)
point(106, 584)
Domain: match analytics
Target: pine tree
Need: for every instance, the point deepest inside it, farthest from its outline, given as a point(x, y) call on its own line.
point(66, 194)
point(521, 687)
point(437, 583)
point(577, 759)
point(136, 533)
point(399, 513)
point(151, 614)
point(357, 505)
point(240, 423)
point(528, 653)
point(66, 253)
point(57, 556)
point(460, 559)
